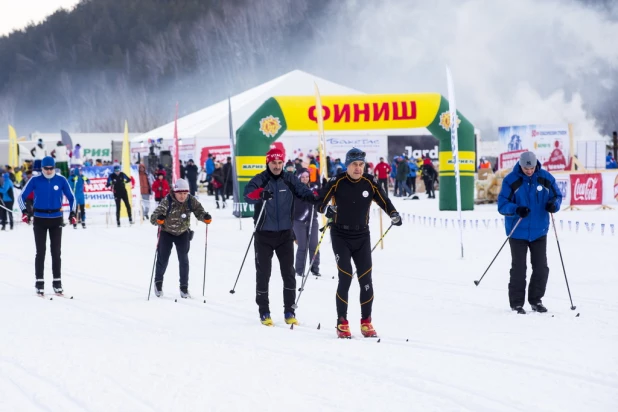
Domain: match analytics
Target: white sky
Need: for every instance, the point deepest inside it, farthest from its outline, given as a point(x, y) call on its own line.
point(15, 15)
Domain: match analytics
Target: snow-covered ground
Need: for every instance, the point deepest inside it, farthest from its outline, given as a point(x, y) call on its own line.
point(445, 344)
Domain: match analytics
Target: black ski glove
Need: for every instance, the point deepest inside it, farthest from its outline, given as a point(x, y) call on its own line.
point(522, 211)
point(551, 207)
point(266, 195)
point(330, 211)
point(396, 219)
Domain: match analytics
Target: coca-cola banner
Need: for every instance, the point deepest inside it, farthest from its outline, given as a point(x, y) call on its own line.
point(586, 189)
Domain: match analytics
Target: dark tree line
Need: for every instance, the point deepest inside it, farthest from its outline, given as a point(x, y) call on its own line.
point(107, 60)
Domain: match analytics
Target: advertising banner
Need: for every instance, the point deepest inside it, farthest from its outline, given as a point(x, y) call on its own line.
point(550, 143)
point(374, 147)
point(507, 160)
point(586, 189)
point(98, 198)
point(413, 146)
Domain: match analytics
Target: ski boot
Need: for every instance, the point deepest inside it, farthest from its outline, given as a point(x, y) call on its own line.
point(217, 204)
point(367, 328)
point(343, 329)
point(223, 204)
point(118, 224)
point(75, 226)
point(266, 320)
point(40, 291)
point(158, 289)
point(57, 285)
point(538, 307)
point(290, 318)
point(315, 273)
point(131, 222)
point(83, 225)
point(519, 309)
point(184, 292)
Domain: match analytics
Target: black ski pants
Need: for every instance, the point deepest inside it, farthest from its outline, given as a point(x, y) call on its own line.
point(429, 189)
point(43, 226)
point(540, 271)
point(193, 186)
point(353, 245)
point(265, 244)
point(82, 212)
point(124, 196)
point(164, 249)
point(6, 215)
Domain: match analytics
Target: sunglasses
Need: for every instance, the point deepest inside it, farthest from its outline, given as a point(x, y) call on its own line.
point(48, 168)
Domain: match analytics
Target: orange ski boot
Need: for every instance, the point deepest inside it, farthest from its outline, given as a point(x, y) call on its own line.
point(343, 329)
point(367, 328)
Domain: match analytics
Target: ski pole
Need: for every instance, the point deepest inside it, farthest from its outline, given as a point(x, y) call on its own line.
point(315, 254)
point(8, 210)
point(476, 282)
point(154, 262)
point(309, 234)
point(248, 246)
point(205, 250)
point(562, 261)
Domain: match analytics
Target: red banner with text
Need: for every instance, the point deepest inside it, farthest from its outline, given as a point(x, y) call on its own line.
point(586, 189)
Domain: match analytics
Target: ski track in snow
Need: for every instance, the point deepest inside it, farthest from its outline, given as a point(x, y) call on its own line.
point(445, 345)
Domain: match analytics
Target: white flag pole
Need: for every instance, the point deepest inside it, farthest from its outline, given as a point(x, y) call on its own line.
point(452, 107)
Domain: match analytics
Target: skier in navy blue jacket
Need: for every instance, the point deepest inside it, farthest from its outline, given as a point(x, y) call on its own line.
point(528, 195)
point(274, 190)
point(48, 189)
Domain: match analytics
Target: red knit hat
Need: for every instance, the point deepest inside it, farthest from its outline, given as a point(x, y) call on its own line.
point(274, 154)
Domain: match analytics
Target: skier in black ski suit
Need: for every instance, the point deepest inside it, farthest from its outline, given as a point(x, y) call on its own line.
point(274, 189)
point(191, 173)
point(351, 193)
point(117, 181)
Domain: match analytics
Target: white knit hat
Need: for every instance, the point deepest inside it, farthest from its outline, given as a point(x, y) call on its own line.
point(181, 185)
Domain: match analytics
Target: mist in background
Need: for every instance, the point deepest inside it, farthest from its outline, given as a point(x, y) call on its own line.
point(513, 62)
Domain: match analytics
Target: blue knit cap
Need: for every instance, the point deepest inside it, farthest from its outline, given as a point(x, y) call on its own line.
point(354, 155)
point(48, 161)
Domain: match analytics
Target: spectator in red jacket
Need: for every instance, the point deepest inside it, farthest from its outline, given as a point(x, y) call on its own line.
point(160, 187)
point(382, 170)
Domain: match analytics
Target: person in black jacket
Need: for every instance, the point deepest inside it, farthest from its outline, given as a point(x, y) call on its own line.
point(305, 219)
point(274, 190)
point(117, 181)
point(191, 173)
point(228, 178)
point(351, 193)
point(217, 183)
point(429, 177)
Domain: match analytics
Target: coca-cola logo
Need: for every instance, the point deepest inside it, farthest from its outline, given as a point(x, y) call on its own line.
point(586, 190)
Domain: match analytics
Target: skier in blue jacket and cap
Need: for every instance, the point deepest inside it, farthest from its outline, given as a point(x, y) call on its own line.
point(49, 189)
point(528, 195)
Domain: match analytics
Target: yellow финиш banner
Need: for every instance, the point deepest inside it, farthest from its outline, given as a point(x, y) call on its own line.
point(362, 112)
point(466, 163)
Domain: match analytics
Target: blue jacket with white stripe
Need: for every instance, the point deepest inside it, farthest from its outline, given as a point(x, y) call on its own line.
point(47, 195)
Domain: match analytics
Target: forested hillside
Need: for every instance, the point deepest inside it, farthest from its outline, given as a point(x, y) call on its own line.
point(107, 60)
